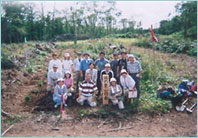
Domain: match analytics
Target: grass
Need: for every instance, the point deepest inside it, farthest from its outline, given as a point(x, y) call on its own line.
point(15, 119)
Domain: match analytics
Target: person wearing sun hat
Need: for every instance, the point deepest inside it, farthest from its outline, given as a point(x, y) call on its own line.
point(134, 68)
point(60, 93)
point(115, 94)
point(126, 82)
point(55, 61)
point(84, 65)
point(67, 63)
point(107, 71)
point(52, 77)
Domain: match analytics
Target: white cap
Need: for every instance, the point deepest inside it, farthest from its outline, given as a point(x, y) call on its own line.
point(107, 65)
point(67, 55)
point(67, 72)
point(185, 80)
point(123, 71)
point(60, 79)
point(131, 55)
point(55, 66)
point(113, 80)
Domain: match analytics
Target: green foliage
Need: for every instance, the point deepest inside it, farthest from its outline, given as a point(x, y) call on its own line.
point(15, 119)
point(40, 83)
point(27, 98)
point(5, 62)
point(36, 91)
point(30, 70)
point(83, 113)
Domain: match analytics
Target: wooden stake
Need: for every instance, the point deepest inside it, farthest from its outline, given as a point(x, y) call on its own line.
point(154, 68)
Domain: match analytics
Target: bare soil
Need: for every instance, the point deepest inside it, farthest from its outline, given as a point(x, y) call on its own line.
point(39, 116)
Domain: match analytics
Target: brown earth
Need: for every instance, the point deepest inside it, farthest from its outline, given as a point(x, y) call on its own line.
point(16, 85)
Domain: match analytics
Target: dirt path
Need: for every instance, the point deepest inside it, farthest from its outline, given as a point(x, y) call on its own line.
point(171, 124)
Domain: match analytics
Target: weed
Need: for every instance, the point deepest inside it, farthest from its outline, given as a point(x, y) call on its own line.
point(27, 98)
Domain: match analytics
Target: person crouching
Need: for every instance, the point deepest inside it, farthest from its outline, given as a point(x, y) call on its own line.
point(60, 93)
point(126, 82)
point(115, 94)
point(87, 90)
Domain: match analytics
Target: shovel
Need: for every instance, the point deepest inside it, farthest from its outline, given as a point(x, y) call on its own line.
point(190, 110)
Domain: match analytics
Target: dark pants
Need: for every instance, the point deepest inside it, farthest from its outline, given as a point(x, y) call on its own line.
point(137, 83)
point(83, 75)
point(99, 85)
point(77, 80)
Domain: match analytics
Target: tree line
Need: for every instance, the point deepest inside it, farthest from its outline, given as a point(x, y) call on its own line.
point(89, 19)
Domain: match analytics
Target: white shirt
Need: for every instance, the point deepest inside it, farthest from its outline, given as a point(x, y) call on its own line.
point(127, 82)
point(77, 64)
point(67, 65)
point(57, 62)
point(93, 74)
point(53, 76)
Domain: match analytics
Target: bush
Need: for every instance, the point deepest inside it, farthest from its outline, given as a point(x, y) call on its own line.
point(6, 63)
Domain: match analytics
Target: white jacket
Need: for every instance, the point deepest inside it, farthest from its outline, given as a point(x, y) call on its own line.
point(57, 62)
point(127, 82)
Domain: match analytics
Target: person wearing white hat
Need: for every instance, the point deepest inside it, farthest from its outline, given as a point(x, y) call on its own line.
point(126, 81)
point(107, 71)
point(68, 81)
point(67, 64)
point(55, 61)
point(134, 69)
point(115, 94)
point(60, 93)
point(52, 77)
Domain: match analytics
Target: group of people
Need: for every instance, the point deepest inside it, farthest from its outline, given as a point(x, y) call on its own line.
point(124, 74)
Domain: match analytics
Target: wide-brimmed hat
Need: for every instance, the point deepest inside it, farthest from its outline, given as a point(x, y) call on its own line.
point(131, 55)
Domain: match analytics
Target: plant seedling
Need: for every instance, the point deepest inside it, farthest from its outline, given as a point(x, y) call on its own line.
point(40, 83)
point(27, 98)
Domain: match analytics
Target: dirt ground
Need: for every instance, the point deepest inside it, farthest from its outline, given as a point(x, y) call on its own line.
point(36, 123)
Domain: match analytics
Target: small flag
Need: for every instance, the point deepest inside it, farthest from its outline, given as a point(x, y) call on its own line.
point(153, 36)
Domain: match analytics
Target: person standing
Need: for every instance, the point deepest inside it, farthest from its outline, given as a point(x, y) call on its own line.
point(114, 64)
point(84, 65)
point(76, 66)
point(55, 61)
point(67, 64)
point(100, 64)
point(134, 69)
point(122, 63)
point(92, 72)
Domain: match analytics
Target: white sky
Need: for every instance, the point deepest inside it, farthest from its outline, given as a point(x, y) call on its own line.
point(148, 12)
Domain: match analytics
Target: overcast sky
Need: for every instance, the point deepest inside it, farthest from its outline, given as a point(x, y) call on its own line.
point(148, 12)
